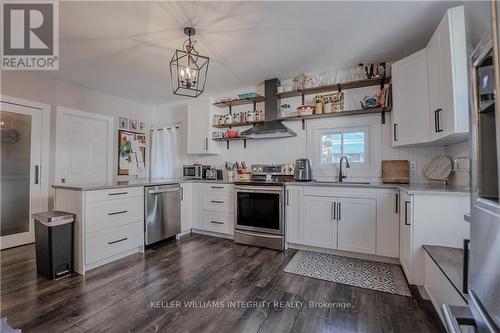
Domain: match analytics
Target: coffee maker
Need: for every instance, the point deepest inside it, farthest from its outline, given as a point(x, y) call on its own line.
point(302, 170)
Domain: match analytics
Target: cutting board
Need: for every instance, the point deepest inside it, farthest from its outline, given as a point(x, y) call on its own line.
point(396, 171)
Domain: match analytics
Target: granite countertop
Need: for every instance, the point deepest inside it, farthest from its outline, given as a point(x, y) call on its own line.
point(450, 261)
point(409, 188)
point(118, 184)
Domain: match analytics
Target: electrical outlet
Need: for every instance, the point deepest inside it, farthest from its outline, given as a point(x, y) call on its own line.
point(413, 166)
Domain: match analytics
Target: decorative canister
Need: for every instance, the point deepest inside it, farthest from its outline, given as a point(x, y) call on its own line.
point(327, 105)
point(236, 118)
point(229, 119)
point(215, 120)
point(318, 102)
point(250, 116)
point(222, 120)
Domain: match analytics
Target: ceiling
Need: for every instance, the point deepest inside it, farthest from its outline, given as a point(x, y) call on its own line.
point(124, 48)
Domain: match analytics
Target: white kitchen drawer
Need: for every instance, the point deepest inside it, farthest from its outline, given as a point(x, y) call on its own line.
point(112, 213)
point(219, 202)
point(223, 223)
point(114, 194)
point(108, 243)
point(218, 188)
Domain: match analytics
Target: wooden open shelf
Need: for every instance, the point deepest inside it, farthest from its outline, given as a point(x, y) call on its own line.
point(338, 114)
point(237, 124)
point(234, 102)
point(335, 87)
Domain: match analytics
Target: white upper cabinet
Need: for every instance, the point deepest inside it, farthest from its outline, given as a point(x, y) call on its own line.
point(411, 100)
point(198, 132)
point(448, 90)
point(430, 88)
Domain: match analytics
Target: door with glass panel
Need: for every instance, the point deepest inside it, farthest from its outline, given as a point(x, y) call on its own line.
point(20, 188)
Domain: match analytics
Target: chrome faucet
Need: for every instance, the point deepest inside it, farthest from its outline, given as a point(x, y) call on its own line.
point(341, 176)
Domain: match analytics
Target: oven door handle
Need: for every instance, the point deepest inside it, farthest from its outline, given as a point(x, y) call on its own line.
point(257, 235)
point(262, 189)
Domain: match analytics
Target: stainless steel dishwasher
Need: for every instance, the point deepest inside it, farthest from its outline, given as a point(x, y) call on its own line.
point(162, 205)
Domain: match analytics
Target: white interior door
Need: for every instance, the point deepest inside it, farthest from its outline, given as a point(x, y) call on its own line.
point(84, 147)
point(20, 186)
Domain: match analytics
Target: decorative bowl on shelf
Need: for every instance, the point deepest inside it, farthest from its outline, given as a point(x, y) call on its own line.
point(305, 110)
point(248, 95)
point(231, 134)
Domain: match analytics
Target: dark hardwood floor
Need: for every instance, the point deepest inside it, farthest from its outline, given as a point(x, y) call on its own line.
point(118, 297)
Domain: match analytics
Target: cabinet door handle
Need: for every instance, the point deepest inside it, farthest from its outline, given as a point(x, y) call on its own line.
point(334, 210)
point(217, 201)
point(116, 213)
point(397, 203)
point(340, 211)
point(216, 222)
point(117, 241)
point(395, 132)
point(218, 187)
point(288, 197)
point(437, 124)
point(406, 213)
point(118, 193)
point(182, 193)
point(206, 143)
point(37, 172)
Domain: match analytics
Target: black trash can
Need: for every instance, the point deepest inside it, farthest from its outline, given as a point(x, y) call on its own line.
point(54, 243)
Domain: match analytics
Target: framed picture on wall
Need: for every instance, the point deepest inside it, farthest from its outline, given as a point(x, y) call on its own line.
point(132, 124)
point(123, 123)
point(142, 126)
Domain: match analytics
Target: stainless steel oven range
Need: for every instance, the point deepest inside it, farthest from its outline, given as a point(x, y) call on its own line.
point(259, 207)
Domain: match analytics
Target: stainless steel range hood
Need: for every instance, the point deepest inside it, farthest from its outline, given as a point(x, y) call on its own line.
point(272, 127)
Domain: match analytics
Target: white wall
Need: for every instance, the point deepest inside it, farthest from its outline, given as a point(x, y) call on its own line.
point(288, 149)
point(41, 88)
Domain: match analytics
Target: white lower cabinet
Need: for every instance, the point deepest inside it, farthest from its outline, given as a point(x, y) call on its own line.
point(109, 224)
point(318, 225)
point(430, 219)
point(186, 207)
point(348, 219)
point(293, 195)
point(357, 219)
point(213, 207)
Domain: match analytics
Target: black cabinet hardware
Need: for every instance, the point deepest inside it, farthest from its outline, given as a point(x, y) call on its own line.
point(119, 240)
point(395, 132)
point(217, 201)
point(406, 212)
point(216, 222)
point(397, 203)
point(37, 169)
point(116, 213)
point(219, 187)
point(118, 193)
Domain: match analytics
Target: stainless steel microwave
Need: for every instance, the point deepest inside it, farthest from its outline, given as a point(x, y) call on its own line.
point(194, 171)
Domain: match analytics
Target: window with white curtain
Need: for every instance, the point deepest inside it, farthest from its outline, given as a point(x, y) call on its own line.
point(163, 152)
point(351, 143)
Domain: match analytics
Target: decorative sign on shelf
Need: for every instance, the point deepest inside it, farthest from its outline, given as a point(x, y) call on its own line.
point(131, 153)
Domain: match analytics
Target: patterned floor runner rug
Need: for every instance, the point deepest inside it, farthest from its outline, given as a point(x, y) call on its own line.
point(361, 273)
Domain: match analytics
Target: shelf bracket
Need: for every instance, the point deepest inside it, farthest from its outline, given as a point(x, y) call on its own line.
point(254, 105)
point(339, 88)
point(227, 144)
point(303, 97)
point(303, 124)
point(245, 143)
point(382, 115)
point(230, 109)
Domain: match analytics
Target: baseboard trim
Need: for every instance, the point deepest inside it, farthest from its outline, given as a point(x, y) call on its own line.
point(387, 260)
point(211, 233)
